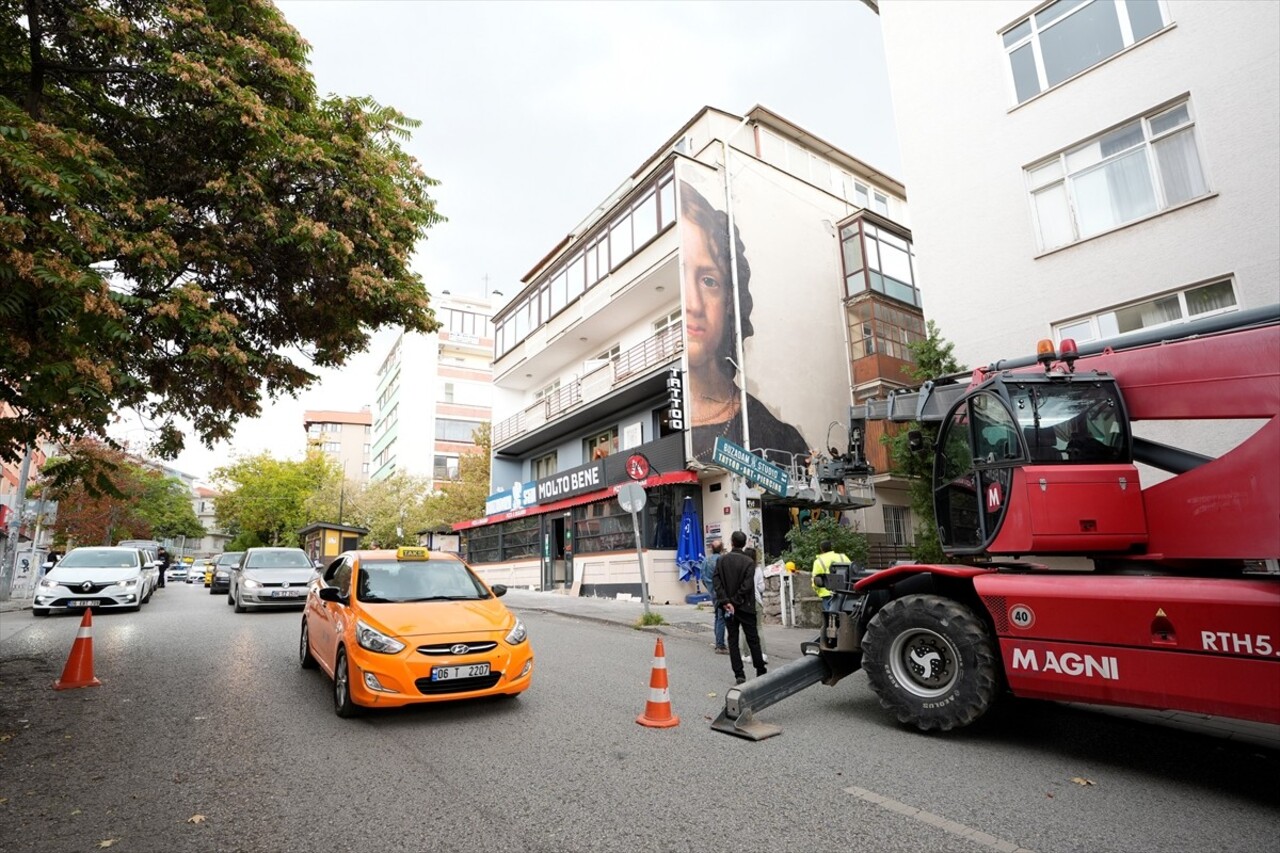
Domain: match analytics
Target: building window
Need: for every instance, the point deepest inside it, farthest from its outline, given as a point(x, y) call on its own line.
point(611, 245)
point(881, 204)
point(878, 259)
point(895, 525)
point(457, 431)
point(1145, 166)
point(446, 393)
point(547, 390)
point(364, 467)
point(366, 449)
point(545, 466)
point(671, 321)
point(610, 354)
point(1202, 300)
point(314, 429)
point(332, 446)
point(445, 468)
point(1070, 36)
point(878, 327)
point(601, 445)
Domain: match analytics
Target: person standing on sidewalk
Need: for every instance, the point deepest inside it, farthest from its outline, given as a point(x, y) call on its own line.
point(709, 581)
point(735, 583)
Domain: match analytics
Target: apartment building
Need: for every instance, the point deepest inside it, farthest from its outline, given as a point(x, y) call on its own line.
point(691, 329)
point(1089, 168)
point(345, 436)
point(434, 391)
point(215, 539)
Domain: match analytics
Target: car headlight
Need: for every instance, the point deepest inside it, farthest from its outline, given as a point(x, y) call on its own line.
point(222, 575)
point(251, 583)
point(47, 583)
point(376, 641)
point(131, 582)
point(517, 634)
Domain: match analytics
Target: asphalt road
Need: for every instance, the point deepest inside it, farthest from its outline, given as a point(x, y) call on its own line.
point(206, 735)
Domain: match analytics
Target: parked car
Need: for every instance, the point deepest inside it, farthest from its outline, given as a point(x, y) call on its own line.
point(270, 577)
point(102, 578)
point(400, 627)
point(177, 572)
point(218, 576)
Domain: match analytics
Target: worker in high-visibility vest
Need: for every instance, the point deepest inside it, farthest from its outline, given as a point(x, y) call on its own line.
point(822, 566)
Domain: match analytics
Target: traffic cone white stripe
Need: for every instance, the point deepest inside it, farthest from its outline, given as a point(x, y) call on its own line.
point(657, 711)
point(84, 633)
point(659, 694)
point(659, 663)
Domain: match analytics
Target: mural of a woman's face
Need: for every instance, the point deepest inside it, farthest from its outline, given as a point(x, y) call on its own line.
point(706, 295)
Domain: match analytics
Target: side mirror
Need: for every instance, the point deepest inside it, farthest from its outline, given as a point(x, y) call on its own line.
point(820, 581)
point(499, 590)
point(915, 441)
point(330, 593)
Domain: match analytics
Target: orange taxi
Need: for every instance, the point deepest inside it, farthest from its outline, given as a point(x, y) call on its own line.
point(399, 627)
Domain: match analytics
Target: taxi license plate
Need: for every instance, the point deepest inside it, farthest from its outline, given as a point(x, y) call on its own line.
point(285, 593)
point(88, 602)
point(450, 673)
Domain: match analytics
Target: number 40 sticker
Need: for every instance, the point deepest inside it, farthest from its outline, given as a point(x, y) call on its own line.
point(1021, 616)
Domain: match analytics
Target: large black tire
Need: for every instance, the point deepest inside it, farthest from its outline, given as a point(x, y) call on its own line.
point(305, 657)
point(343, 706)
point(931, 662)
point(240, 608)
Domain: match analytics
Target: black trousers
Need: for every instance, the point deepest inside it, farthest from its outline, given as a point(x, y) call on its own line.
point(747, 620)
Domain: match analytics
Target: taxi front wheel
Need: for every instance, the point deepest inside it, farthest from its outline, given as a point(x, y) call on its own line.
point(342, 704)
point(305, 657)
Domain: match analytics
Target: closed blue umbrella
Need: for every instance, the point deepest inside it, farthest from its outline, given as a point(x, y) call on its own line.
point(689, 548)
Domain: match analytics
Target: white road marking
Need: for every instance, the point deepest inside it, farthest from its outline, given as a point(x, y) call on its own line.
point(977, 836)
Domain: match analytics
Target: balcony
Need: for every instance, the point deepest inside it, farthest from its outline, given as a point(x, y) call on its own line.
point(612, 379)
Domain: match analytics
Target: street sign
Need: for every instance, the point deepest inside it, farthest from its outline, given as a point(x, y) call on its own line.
point(631, 496)
point(743, 462)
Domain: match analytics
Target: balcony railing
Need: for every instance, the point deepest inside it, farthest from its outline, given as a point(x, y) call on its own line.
point(635, 362)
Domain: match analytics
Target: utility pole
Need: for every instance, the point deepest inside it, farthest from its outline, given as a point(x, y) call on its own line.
point(9, 565)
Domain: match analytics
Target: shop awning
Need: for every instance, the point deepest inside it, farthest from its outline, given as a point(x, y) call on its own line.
point(668, 479)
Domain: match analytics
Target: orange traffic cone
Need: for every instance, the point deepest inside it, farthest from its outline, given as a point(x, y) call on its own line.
point(657, 711)
point(79, 669)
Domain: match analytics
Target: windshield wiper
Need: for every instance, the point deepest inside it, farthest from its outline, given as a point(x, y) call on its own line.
point(446, 598)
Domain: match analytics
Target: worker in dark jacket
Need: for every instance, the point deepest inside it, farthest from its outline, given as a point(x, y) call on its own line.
point(735, 585)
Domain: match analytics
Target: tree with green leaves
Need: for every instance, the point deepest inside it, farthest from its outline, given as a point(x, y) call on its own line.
point(804, 542)
point(264, 500)
point(181, 216)
point(125, 500)
point(462, 499)
point(934, 359)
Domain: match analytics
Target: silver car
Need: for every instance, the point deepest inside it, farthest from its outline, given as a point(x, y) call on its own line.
point(102, 578)
point(271, 577)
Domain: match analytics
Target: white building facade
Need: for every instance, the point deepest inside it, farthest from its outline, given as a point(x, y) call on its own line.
point(1086, 168)
point(345, 437)
point(433, 392)
point(633, 349)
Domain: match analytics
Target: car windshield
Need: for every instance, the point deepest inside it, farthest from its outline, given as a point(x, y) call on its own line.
point(230, 559)
point(100, 558)
point(292, 559)
point(418, 580)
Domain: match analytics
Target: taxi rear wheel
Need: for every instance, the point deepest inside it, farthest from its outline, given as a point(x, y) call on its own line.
point(342, 704)
point(305, 657)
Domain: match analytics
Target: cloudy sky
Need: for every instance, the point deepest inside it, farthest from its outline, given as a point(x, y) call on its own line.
point(534, 112)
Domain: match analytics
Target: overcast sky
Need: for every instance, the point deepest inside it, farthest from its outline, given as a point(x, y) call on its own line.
point(534, 112)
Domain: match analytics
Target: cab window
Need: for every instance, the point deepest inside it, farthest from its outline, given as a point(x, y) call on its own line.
point(339, 575)
point(418, 580)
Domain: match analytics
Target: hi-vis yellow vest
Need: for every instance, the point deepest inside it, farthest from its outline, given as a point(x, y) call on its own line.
point(823, 568)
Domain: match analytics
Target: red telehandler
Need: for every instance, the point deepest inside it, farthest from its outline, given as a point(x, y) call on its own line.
point(1071, 581)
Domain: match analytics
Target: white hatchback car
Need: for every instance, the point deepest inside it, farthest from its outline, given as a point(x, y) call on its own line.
point(102, 578)
point(271, 577)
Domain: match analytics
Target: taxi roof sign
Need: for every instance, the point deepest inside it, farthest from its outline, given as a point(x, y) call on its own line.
point(409, 553)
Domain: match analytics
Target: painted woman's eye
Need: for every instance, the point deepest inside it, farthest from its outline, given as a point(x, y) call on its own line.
point(709, 281)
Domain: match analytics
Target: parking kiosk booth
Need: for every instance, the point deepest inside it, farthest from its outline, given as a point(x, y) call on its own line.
point(324, 540)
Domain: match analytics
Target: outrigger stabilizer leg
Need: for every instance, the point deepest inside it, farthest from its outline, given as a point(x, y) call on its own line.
point(742, 702)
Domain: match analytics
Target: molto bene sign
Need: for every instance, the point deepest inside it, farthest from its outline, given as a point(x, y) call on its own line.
point(566, 484)
point(743, 462)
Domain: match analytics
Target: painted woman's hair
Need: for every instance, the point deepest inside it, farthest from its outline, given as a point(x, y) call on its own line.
point(715, 223)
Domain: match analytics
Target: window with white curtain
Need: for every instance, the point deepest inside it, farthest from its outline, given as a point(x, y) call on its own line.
point(1147, 165)
point(1068, 37)
point(1191, 303)
point(896, 525)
